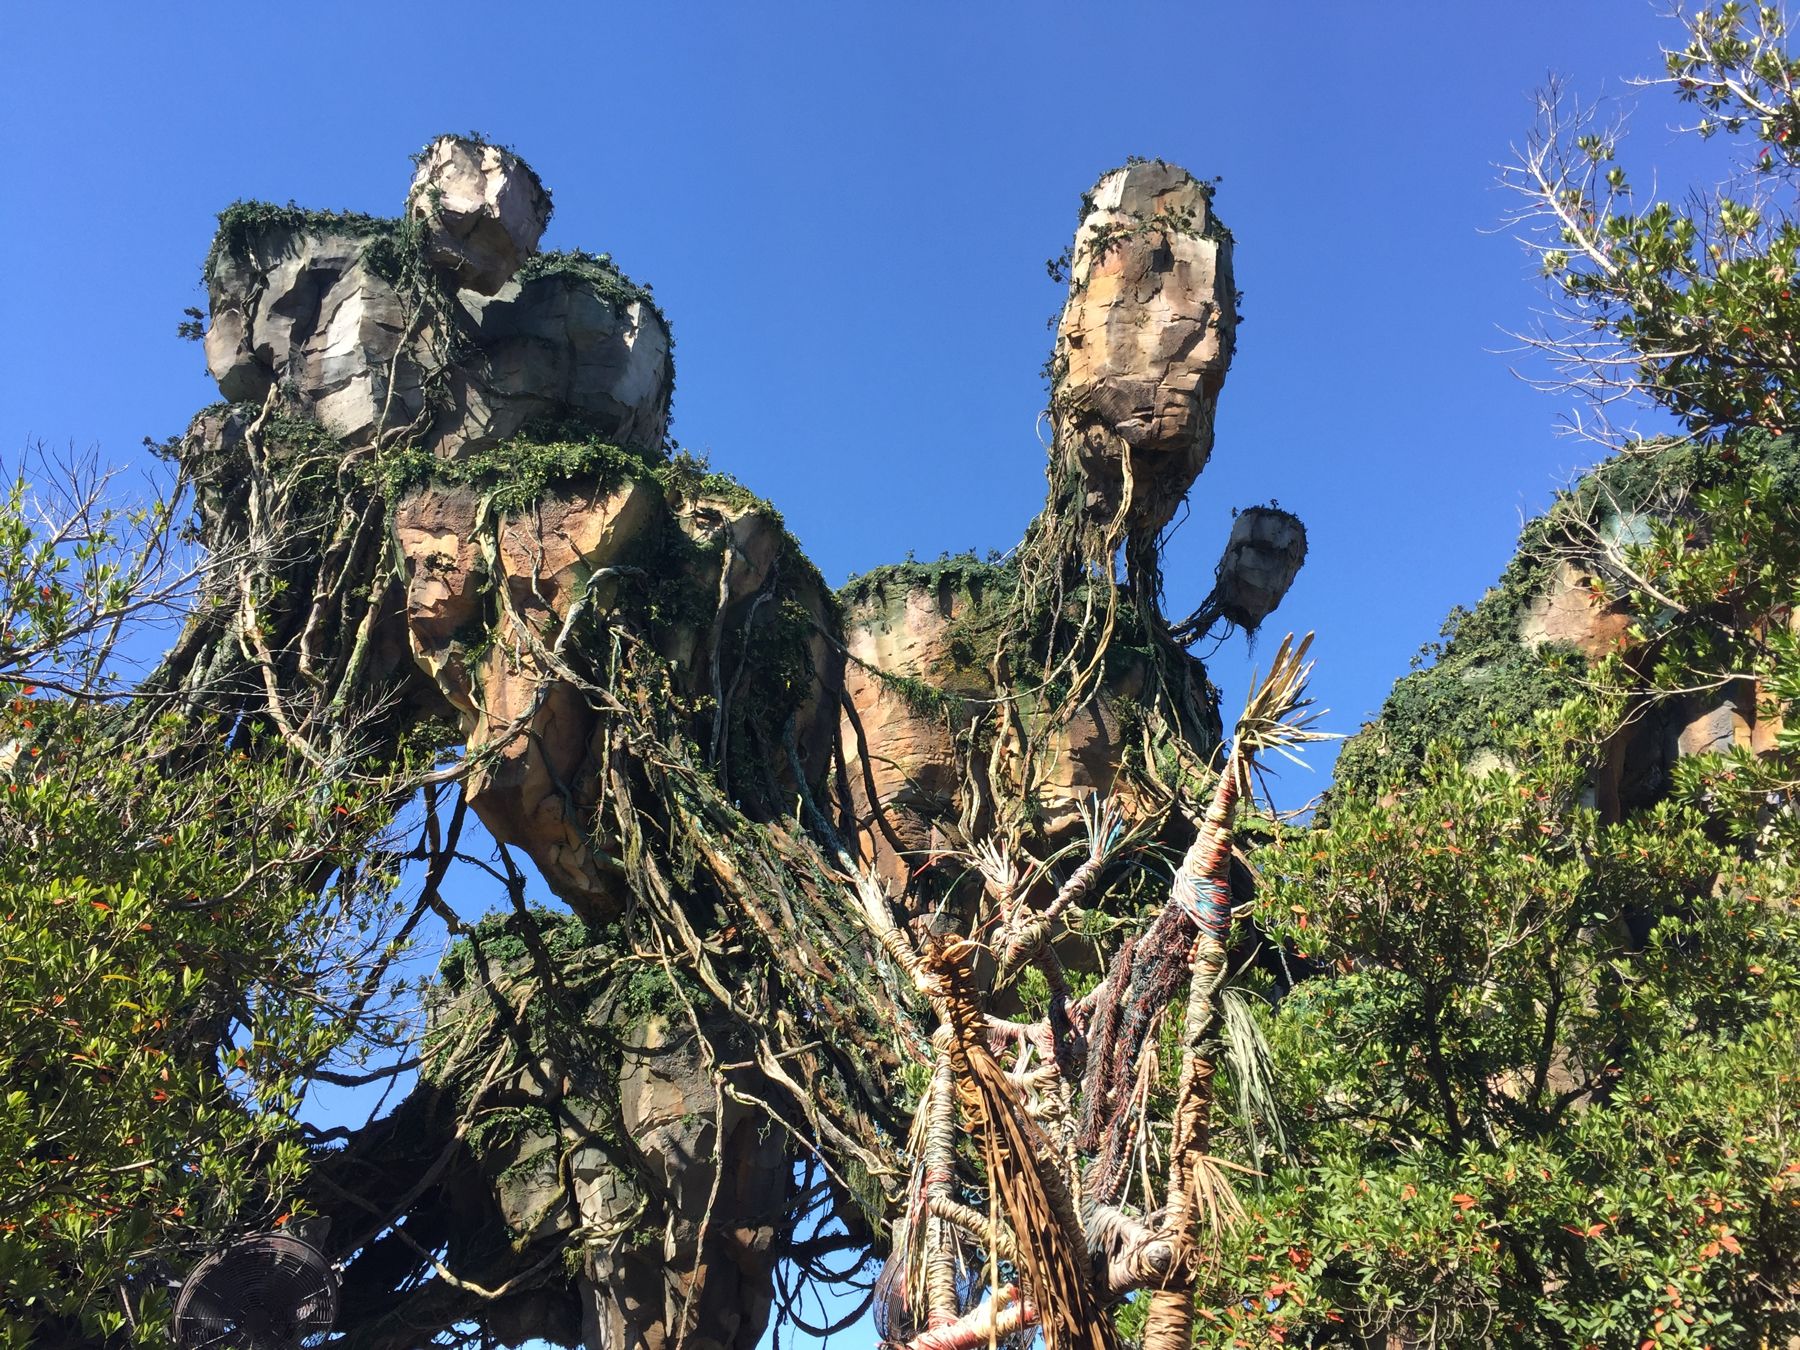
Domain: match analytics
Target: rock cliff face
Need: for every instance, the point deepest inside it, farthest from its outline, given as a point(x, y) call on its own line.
point(445, 328)
point(627, 644)
point(482, 209)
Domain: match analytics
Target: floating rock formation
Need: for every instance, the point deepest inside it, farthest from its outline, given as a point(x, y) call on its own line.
point(444, 468)
point(299, 304)
point(483, 210)
point(1262, 557)
point(446, 330)
point(1145, 340)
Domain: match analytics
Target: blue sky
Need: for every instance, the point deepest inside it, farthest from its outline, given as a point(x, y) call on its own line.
point(845, 210)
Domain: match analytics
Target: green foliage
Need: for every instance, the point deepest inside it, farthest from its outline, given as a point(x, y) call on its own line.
point(1483, 683)
point(194, 925)
point(596, 270)
point(1542, 1097)
point(955, 573)
point(688, 478)
point(74, 569)
point(244, 223)
point(521, 470)
point(1517, 1121)
point(1689, 305)
point(168, 967)
point(1544, 1093)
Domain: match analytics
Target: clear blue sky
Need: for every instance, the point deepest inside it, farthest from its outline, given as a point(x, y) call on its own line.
point(845, 209)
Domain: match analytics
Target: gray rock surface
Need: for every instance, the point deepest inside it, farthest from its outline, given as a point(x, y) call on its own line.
point(1261, 560)
point(305, 310)
point(308, 311)
point(483, 209)
point(556, 345)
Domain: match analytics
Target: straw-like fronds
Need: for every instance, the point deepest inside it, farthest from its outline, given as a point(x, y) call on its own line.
point(1278, 715)
point(1252, 1072)
point(1216, 1201)
point(1071, 1263)
point(1051, 1247)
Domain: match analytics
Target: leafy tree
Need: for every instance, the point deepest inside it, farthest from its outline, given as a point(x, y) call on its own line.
point(77, 571)
point(1517, 1118)
point(1536, 1091)
point(1688, 306)
point(191, 935)
point(1544, 1094)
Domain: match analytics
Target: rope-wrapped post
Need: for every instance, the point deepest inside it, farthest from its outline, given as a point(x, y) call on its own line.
point(990, 1321)
point(1202, 886)
point(940, 1177)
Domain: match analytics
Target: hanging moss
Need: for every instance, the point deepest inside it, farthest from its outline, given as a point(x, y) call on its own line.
point(502, 1127)
point(500, 939)
point(689, 478)
point(955, 573)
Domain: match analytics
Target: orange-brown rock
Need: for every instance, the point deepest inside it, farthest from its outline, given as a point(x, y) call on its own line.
point(494, 624)
point(899, 741)
point(534, 781)
point(1568, 611)
point(434, 527)
point(916, 680)
point(559, 551)
point(1144, 340)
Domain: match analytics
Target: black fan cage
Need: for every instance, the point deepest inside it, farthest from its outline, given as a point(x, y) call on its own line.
point(272, 1292)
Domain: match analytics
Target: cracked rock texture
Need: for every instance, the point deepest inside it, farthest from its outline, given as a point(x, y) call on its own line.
point(300, 302)
point(556, 345)
point(1145, 340)
point(483, 209)
point(900, 747)
point(307, 312)
point(1262, 557)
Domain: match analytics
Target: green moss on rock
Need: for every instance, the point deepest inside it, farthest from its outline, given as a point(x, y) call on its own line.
point(245, 221)
point(519, 471)
point(597, 270)
point(1483, 683)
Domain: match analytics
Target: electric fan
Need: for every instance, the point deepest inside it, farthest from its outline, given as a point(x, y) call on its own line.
point(272, 1292)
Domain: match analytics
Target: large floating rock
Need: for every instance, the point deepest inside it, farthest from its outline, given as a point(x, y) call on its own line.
point(483, 209)
point(297, 304)
point(538, 781)
point(1262, 557)
point(489, 622)
point(303, 307)
point(1145, 339)
point(564, 341)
